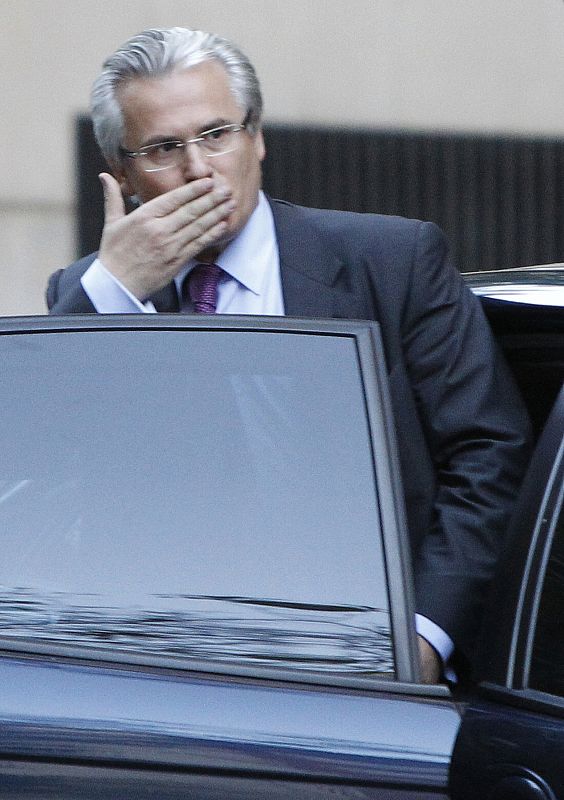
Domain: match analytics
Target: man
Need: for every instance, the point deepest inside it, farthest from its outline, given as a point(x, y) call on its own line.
point(177, 114)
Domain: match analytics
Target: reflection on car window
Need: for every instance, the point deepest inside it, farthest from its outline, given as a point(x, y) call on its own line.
point(203, 494)
point(547, 664)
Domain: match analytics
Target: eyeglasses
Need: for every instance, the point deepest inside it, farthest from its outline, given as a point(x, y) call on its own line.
point(164, 155)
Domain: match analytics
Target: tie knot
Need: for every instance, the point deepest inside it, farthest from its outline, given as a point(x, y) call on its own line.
point(202, 285)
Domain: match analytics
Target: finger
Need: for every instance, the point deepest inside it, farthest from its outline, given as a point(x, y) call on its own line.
point(191, 212)
point(114, 207)
point(209, 238)
point(171, 201)
point(205, 229)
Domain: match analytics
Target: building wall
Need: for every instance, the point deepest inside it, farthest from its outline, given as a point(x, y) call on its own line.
point(471, 65)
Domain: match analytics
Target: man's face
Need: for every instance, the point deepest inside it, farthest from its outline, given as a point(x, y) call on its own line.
point(180, 106)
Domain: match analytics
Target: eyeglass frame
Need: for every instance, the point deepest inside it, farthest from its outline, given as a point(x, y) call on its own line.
point(234, 127)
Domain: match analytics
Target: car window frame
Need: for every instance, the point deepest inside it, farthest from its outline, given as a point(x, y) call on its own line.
point(396, 548)
point(510, 622)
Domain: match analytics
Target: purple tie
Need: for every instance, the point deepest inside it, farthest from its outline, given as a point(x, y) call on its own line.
point(202, 283)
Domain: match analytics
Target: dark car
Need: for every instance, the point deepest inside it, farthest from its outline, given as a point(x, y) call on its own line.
point(158, 640)
point(525, 307)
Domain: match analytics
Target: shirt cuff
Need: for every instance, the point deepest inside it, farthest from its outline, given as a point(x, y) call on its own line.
point(436, 637)
point(108, 295)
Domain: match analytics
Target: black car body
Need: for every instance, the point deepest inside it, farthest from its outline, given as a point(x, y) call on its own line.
point(141, 658)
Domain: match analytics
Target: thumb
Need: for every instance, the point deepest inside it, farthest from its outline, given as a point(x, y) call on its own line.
point(114, 207)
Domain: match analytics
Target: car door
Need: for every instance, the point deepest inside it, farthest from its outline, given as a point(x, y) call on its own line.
point(512, 737)
point(205, 585)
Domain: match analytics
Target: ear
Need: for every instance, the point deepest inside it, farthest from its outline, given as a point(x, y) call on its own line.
point(260, 149)
point(119, 172)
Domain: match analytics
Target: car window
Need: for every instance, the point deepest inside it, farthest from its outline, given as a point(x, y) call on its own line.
point(203, 495)
point(547, 662)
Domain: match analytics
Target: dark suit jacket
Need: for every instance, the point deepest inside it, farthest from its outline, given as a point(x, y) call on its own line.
point(462, 431)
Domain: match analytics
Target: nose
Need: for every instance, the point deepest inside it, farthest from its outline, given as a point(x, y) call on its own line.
point(195, 164)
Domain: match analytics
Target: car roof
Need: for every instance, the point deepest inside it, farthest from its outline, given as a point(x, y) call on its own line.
point(535, 285)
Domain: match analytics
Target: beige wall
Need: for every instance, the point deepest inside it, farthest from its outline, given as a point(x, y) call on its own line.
point(495, 65)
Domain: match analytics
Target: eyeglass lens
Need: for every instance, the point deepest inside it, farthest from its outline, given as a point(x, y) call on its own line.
point(170, 154)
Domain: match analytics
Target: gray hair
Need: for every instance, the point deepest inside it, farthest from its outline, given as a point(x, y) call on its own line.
point(157, 52)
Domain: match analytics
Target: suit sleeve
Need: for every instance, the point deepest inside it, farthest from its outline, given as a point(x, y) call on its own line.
point(64, 293)
point(52, 286)
point(477, 434)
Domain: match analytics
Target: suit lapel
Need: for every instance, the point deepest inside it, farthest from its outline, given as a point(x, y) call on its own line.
point(316, 281)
